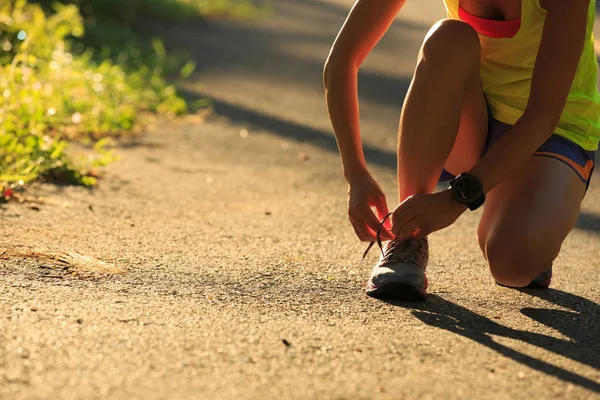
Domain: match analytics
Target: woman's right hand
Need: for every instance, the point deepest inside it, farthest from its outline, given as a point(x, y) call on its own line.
point(363, 194)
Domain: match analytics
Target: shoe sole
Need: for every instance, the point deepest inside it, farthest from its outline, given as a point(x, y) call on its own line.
point(398, 291)
point(538, 285)
point(532, 285)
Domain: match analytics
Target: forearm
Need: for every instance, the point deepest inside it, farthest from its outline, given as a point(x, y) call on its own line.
point(513, 149)
point(555, 67)
point(366, 24)
point(342, 104)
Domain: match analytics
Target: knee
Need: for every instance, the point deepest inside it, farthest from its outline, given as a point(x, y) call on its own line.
point(516, 261)
point(451, 39)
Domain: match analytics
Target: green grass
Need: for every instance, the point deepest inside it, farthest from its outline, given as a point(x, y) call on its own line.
point(129, 11)
point(78, 70)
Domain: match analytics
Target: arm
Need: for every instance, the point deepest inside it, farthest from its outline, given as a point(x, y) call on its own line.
point(560, 50)
point(366, 24)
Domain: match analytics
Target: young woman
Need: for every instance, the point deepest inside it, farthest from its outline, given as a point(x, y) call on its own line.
point(503, 97)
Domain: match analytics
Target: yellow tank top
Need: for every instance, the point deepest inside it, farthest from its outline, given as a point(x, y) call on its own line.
point(507, 67)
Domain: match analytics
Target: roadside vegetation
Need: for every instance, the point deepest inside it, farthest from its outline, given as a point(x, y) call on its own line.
point(82, 71)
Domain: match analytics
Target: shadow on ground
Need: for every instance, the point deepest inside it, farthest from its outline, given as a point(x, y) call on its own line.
point(588, 221)
point(581, 325)
point(287, 52)
point(260, 121)
point(292, 52)
point(257, 120)
point(284, 53)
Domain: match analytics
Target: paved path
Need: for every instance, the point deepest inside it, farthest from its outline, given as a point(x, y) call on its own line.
point(235, 274)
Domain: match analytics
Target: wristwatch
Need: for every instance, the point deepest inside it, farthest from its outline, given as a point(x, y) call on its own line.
point(468, 190)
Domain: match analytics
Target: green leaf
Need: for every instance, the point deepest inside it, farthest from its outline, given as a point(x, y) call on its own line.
point(188, 69)
point(159, 48)
point(58, 150)
point(89, 181)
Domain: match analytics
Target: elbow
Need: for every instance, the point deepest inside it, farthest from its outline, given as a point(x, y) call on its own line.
point(337, 68)
point(329, 71)
point(326, 72)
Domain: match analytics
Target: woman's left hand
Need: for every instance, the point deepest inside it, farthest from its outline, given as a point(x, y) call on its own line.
point(422, 214)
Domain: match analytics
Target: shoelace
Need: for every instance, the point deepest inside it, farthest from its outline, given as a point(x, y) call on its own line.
point(379, 242)
point(404, 251)
point(392, 254)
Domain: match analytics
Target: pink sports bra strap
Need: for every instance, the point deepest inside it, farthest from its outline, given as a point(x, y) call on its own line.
point(490, 28)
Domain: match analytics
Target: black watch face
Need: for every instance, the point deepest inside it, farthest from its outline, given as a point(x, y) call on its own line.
point(469, 188)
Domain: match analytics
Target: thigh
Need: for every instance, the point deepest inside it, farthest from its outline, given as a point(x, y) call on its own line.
point(472, 131)
point(529, 214)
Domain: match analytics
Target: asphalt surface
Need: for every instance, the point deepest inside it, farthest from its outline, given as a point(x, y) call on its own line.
point(232, 271)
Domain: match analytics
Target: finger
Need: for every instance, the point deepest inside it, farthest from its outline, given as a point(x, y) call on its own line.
point(385, 223)
point(404, 207)
point(373, 222)
point(384, 227)
point(383, 211)
point(404, 231)
point(401, 220)
point(362, 230)
point(362, 233)
point(370, 219)
point(427, 229)
point(386, 234)
point(422, 232)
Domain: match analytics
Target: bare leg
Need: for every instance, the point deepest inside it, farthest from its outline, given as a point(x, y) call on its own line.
point(526, 219)
point(443, 123)
point(444, 119)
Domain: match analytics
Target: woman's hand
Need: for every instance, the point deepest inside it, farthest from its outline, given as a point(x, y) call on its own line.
point(422, 214)
point(364, 193)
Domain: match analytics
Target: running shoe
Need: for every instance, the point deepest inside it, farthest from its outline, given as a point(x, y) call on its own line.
point(400, 272)
point(543, 280)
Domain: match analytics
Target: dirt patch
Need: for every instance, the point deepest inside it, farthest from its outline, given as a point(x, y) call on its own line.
point(71, 262)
